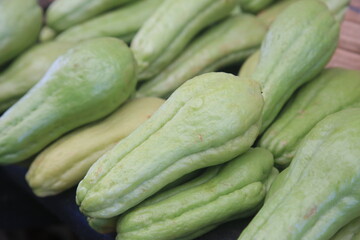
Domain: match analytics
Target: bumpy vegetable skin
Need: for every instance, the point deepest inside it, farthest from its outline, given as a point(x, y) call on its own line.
point(225, 193)
point(63, 14)
point(319, 193)
point(122, 23)
point(195, 128)
point(171, 28)
point(228, 42)
point(64, 163)
point(293, 52)
point(20, 23)
point(85, 84)
point(333, 90)
point(27, 70)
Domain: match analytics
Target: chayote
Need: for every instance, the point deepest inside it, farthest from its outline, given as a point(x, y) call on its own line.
point(254, 6)
point(351, 231)
point(331, 91)
point(337, 7)
point(20, 23)
point(195, 128)
point(122, 23)
point(64, 163)
point(166, 33)
point(63, 14)
point(227, 192)
point(26, 70)
point(228, 42)
point(85, 84)
point(319, 193)
point(294, 52)
point(249, 66)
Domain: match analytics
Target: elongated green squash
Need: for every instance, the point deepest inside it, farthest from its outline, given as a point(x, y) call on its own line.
point(122, 23)
point(294, 52)
point(351, 231)
point(20, 23)
point(228, 42)
point(320, 192)
point(249, 66)
point(63, 14)
point(254, 6)
point(64, 163)
point(170, 29)
point(85, 84)
point(233, 189)
point(196, 127)
point(333, 90)
point(27, 70)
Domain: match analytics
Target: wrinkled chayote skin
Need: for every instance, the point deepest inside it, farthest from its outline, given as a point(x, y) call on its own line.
point(249, 66)
point(64, 163)
point(228, 42)
point(293, 52)
point(351, 231)
point(122, 23)
point(195, 128)
point(331, 91)
point(108, 225)
point(319, 193)
point(20, 23)
point(85, 84)
point(63, 14)
point(165, 34)
point(225, 193)
point(26, 70)
point(254, 6)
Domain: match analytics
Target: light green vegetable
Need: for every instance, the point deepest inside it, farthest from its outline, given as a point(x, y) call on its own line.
point(195, 128)
point(228, 42)
point(26, 70)
point(173, 25)
point(294, 52)
point(331, 91)
point(85, 84)
point(64, 163)
point(223, 193)
point(122, 23)
point(319, 193)
point(20, 23)
point(350, 231)
point(63, 14)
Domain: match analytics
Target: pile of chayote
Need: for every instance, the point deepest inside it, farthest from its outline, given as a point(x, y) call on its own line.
point(121, 99)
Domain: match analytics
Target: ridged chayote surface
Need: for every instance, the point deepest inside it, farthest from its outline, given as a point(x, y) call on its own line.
point(228, 42)
point(195, 128)
point(63, 14)
point(350, 231)
point(331, 91)
point(226, 192)
point(85, 84)
point(20, 23)
point(26, 70)
point(171, 28)
point(122, 23)
point(293, 52)
point(320, 192)
point(64, 163)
